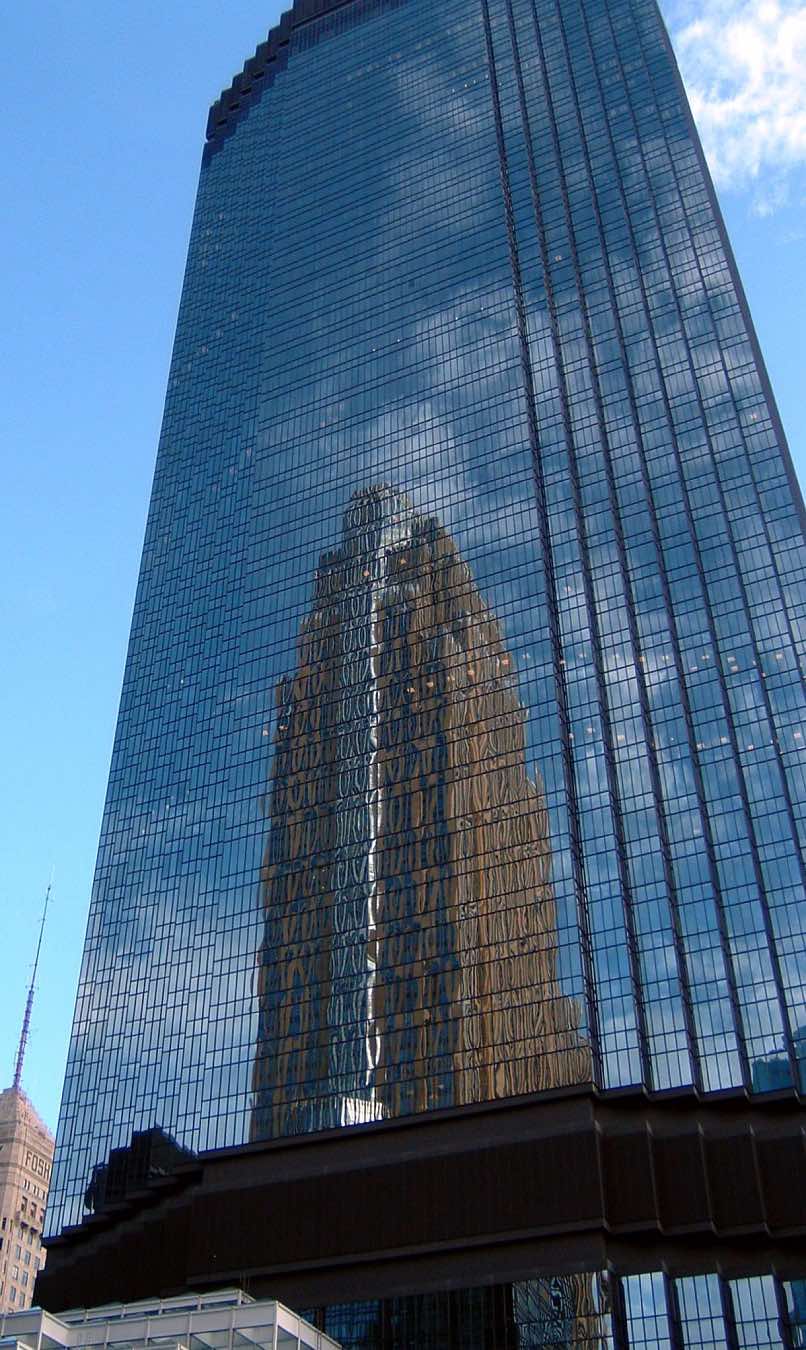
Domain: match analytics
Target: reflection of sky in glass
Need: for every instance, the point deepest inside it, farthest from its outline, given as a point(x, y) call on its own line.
point(422, 202)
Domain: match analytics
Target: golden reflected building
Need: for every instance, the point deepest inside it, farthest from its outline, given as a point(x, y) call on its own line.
point(410, 952)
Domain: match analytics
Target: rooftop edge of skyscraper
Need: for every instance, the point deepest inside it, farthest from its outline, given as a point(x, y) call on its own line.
point(259, 70)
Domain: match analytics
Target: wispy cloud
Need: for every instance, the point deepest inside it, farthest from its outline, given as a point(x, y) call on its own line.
point(743, 64)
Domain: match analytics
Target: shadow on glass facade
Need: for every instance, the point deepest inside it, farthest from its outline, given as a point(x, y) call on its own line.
point(149, 1155)
point(460, 748)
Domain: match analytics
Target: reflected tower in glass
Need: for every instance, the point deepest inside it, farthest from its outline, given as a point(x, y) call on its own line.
point(409, 955)
point(460, 748)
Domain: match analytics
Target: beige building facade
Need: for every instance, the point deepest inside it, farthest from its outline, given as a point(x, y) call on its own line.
point(26, 1156)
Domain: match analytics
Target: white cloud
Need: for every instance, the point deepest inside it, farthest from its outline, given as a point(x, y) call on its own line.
point(743, 64)
point(770, 196)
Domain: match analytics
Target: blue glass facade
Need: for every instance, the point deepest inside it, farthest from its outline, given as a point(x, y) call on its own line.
point(605, 1313)
point(460, 749)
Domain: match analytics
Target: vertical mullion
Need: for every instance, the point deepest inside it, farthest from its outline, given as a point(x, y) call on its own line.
point(551, 588)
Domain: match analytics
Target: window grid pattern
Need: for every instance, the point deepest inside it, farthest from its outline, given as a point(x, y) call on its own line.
point(460, 747)
point(641, 1312)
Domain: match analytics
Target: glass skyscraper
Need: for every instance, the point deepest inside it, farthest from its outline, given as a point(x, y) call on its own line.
point(460, 748)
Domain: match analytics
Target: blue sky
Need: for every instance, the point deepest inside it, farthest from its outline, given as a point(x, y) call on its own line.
point(105, 107)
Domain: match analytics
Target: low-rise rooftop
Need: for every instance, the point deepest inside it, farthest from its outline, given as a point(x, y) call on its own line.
point(226, 1320)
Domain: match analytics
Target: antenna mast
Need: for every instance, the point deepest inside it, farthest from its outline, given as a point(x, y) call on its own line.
point(29, 1002)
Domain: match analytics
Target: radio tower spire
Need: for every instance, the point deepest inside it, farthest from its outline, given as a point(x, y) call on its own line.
point(29, 1002)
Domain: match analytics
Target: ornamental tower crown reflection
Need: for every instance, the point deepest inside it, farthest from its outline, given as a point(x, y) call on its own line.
point(409, 956)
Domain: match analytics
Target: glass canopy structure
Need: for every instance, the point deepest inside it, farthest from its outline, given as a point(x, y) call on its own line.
point(226, 1320)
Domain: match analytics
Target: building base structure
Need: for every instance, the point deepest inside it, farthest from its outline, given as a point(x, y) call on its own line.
point(594, 1209)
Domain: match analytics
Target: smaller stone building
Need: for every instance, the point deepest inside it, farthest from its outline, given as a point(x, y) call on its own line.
point(26, 1155)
